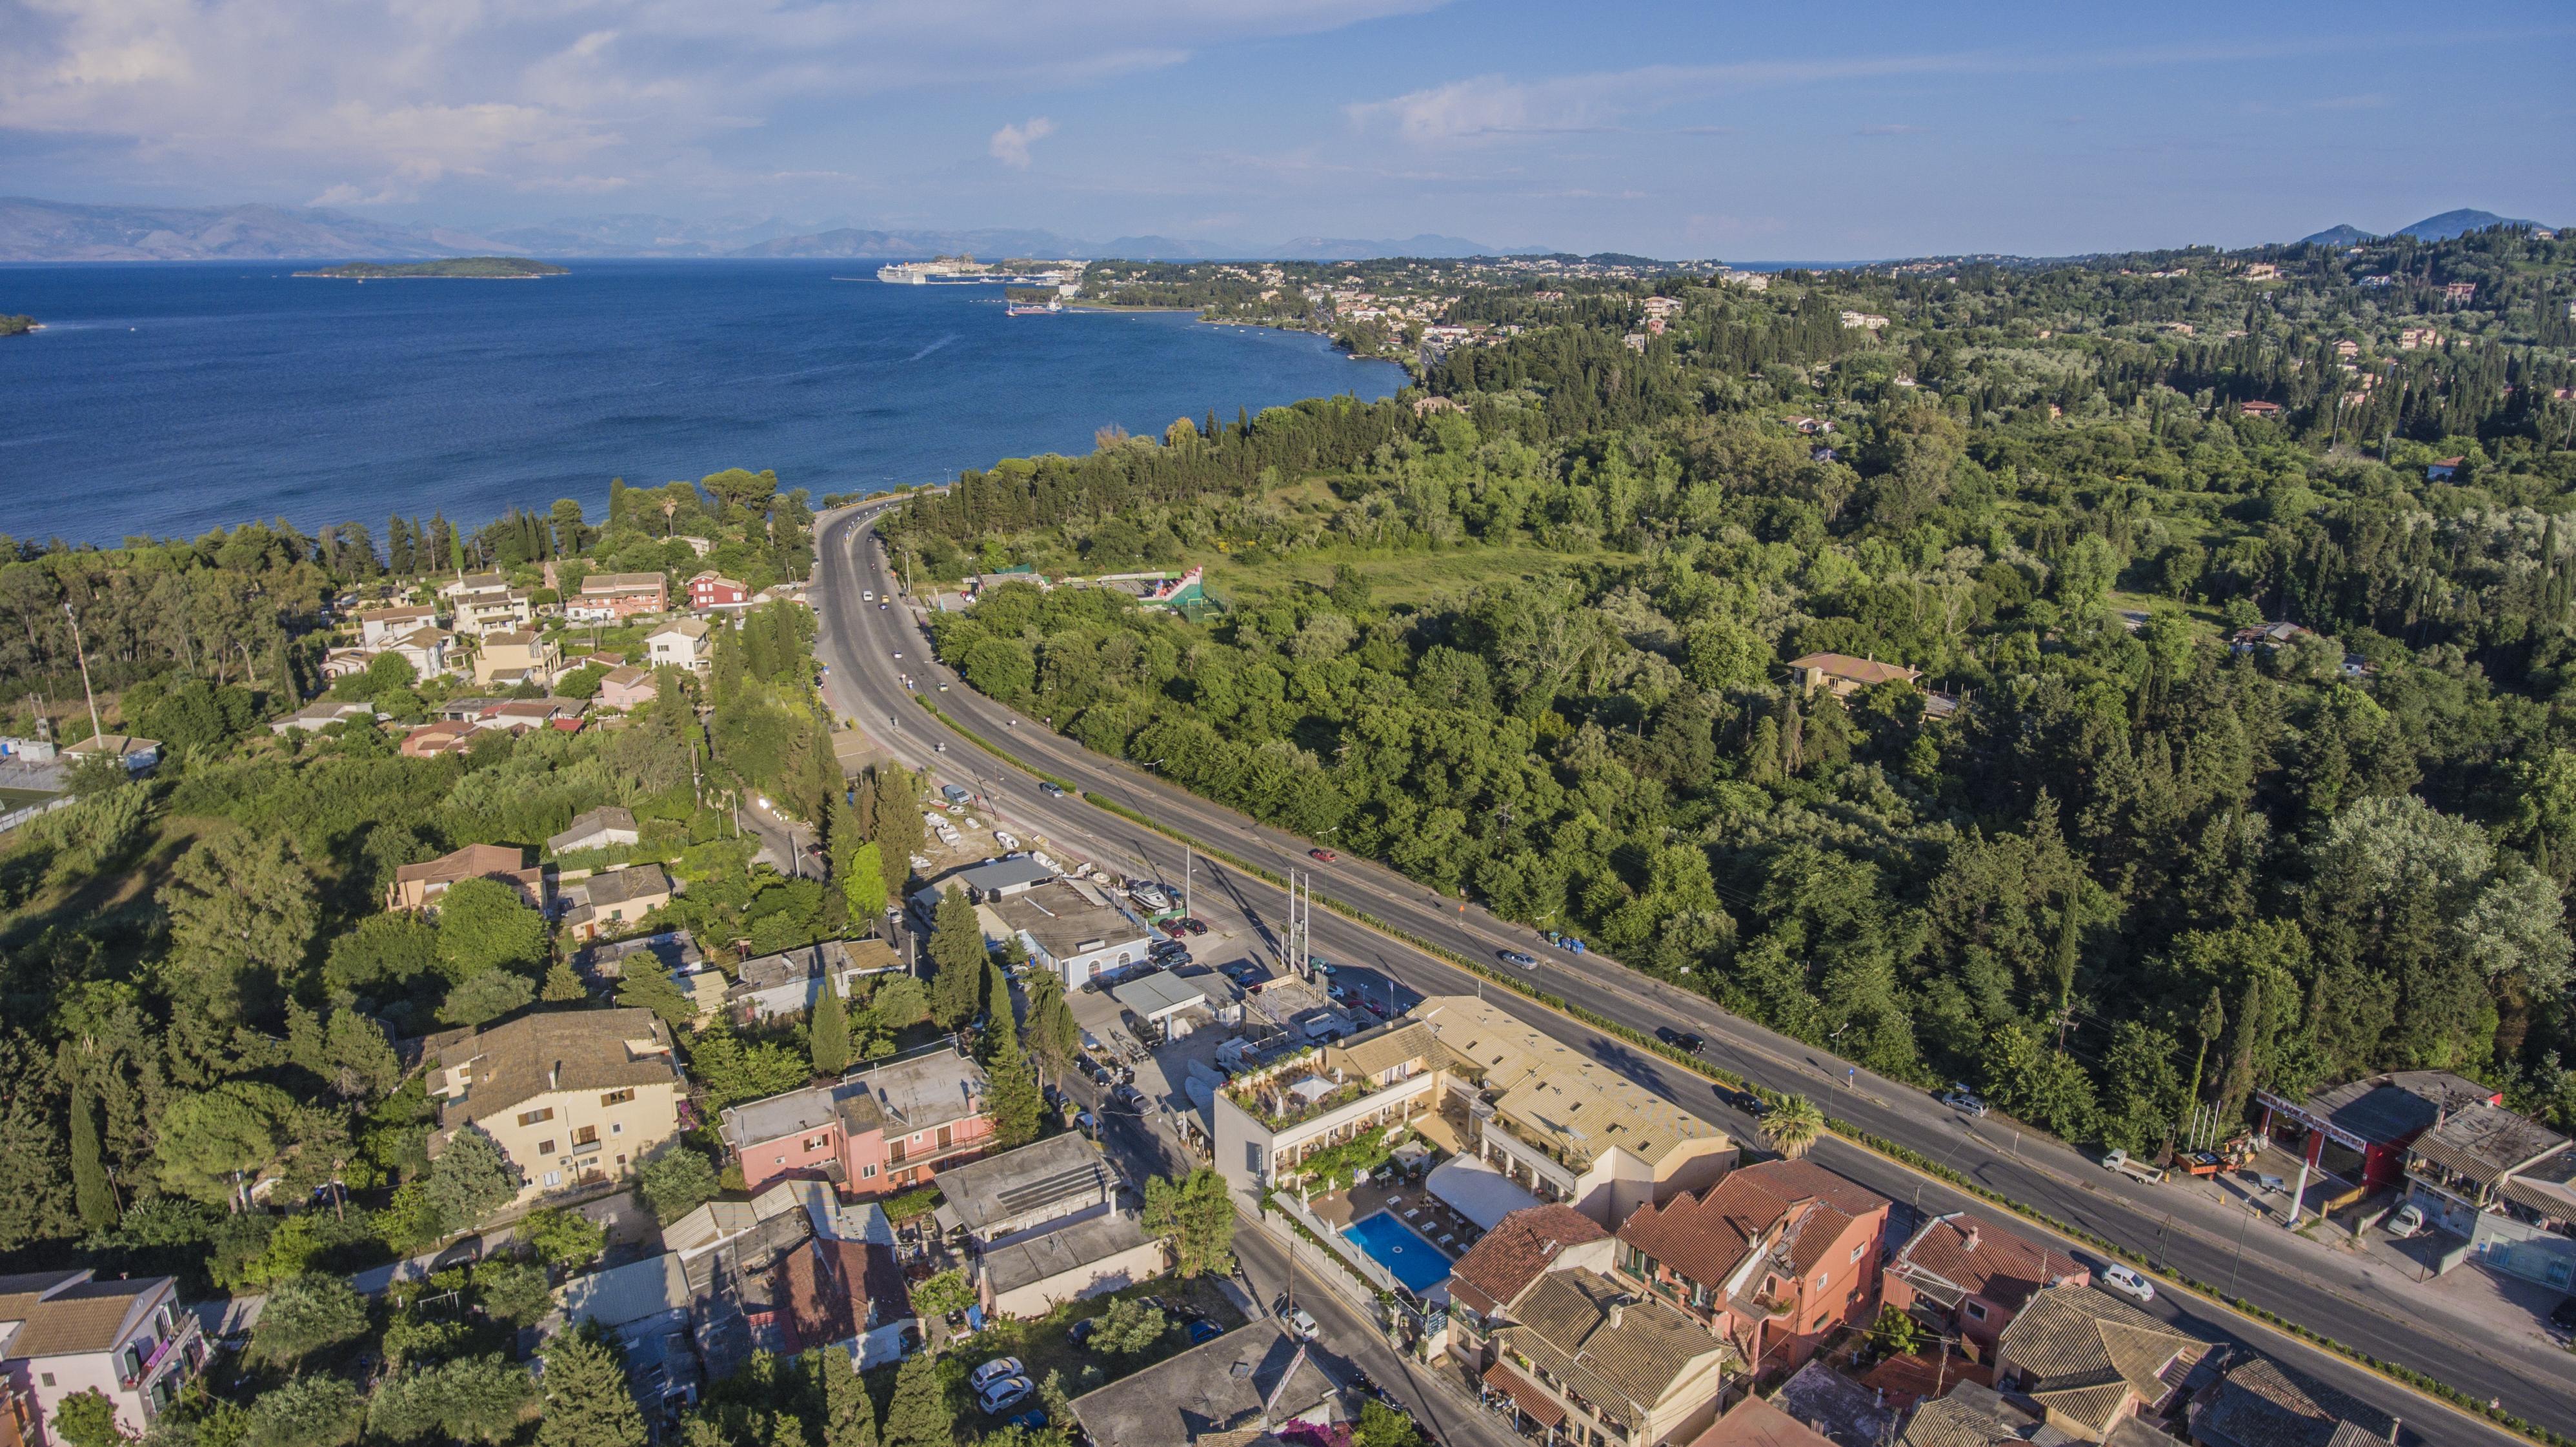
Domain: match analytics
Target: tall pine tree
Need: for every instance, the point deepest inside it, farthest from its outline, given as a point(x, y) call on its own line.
point(587, 1400)
point(828, 1033)
point(1013, 1099)
point(97, 1202)
point(957, 947)
point(918, 1414)
point(849, 1416)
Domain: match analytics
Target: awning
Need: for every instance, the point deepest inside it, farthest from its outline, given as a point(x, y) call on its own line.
point(1478, 1191)
point(1537, 1405)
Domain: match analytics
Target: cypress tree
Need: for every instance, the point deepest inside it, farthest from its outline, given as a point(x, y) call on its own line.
point(957, 946)
point(828, 1033)
point(918, 1415)
point(1014, 1101)
point(587, 1400)
point(89, 1174)
point(849, 1417)
point(562, 985)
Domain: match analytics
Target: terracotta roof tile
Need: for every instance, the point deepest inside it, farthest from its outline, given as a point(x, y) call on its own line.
point(1506, 1259)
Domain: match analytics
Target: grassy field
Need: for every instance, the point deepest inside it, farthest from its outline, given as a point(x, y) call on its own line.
point(1394, 578)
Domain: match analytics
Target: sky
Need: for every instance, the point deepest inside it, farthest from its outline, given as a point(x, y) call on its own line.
point(1821, 131)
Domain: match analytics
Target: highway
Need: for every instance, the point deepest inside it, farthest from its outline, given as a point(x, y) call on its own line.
point(2302, 1281)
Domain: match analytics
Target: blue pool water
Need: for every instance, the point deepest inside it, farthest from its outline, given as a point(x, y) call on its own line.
point(1397, 1247)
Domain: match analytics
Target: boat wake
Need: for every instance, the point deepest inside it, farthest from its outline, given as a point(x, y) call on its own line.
point(934, 346)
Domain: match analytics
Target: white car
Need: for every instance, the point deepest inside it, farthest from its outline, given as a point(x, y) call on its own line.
point(2125, 1282)
point(1006, 839)
point(1299, 1322)
point(993, 1371)
point(867, 595)
point(1001, 1395)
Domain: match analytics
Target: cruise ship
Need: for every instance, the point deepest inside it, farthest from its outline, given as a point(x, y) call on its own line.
point(967, 271)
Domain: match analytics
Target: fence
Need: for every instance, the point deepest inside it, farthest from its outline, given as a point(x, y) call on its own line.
point(16, 817)
point(1348, 1276)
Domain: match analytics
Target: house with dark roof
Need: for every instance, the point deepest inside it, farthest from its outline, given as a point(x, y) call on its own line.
point(63, 1333)
point(1771, 1259)
point(2505, 1184)
point(573, 1097)
point(2359, 1130)
point(1507, 1261)
point(791, 981)
point(1970, 1414)
point(1042, 1225)
point(1253, 1380)
point(2259, 1403)
point(1965, 1277)
point(2088, 1361)
point(849, 1294)
point(601, 828)
point(616, 900)
point(1590, 1357)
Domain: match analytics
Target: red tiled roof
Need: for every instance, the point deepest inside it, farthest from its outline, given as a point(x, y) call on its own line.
point(1502, 1263)
point(1705, 1237)
point(1541, 1407)
point(1858, 670)
point(1986, 1260)
point(829, 1288)
point(1754, 1422)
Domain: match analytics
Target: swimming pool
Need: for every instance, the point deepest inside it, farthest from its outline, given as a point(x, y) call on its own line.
point(1401, 1250)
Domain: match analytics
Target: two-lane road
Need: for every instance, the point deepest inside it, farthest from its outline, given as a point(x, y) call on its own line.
point(2286, 1274)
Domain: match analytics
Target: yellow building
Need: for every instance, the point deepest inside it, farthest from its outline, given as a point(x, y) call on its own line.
point(574, 1097)
point(515, 656)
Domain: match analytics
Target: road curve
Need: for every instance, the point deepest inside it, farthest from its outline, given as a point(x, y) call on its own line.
point(2299, 1280)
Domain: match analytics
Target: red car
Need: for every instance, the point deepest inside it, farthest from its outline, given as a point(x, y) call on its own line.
point(1175, 928)
point(1322, 856)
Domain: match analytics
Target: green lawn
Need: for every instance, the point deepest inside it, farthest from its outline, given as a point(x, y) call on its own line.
point(21, 798)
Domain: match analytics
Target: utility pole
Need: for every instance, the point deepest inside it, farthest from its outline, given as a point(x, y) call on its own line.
point(81, 652)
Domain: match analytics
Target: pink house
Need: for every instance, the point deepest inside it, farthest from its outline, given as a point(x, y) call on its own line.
point(879, 1130)
point(62, 1334)
point(627, 687)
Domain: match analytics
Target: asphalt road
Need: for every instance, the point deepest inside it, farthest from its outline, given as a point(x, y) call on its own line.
point(2284, 1274)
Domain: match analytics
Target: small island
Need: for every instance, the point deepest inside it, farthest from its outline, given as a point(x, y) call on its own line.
point(471, 268)
point(16, 326)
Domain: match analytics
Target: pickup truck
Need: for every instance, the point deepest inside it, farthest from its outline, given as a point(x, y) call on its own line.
point(2135, 1170)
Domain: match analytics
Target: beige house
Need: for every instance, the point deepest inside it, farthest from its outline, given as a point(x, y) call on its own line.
point(618, 900)
point(1480, 1084)
point(1845, 675)
point(425, 649)
point(2092, 1361)
point(515, 656)
point(418, 886)
point(682, 643)
point(379, 627)
point(574, 1097)
point(1591, 1360)
point(62, 1333)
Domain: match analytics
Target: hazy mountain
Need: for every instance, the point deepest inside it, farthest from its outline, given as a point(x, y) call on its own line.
point(642, 235)
point(859, 243)
point(1330, 248)
point(33, 230)
point(2431, 228)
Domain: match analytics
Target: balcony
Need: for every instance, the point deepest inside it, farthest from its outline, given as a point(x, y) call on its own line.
point(585, 1148)
point(1545, 1160)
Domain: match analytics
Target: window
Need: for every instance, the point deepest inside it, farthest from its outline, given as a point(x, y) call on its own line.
point(947, 1136)
point(45, 1377)
point(621, 1160)
point(1857, 1250)
point(867, 1173)
point(554, 1178)
point(536, 1117)
point(617, 1097)
point(618, 1127)
point(545, 1148)
point(1976, 1311)
point(1820, 1281)
point(585, 1135)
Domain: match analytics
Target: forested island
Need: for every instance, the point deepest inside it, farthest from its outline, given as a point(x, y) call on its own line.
point(472, 268)
point(14, 326)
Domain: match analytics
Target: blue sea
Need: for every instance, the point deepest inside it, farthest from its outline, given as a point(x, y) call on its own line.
point(165, 399)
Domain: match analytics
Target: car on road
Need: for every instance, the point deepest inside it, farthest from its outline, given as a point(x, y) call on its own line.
point(1520, 959)
point(1682, 1040)
point(881, 607)
point(867, 595)
point(1087, 1123)
point(2122, 1281)
point(1320, 965)
point(1298, 1321)
point(898, 653)
point(1322, 856)
point(1194, 924)
point(1000, 1396)
point(1965, 1101)
point(993, 1371)
point(943, 688)
point(1052, 790)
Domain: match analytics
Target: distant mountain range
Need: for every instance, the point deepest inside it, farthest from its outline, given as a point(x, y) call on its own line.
point(2431, 228)
point(34, 230)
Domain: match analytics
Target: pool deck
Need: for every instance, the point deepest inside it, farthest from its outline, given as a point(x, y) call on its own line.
point(1428, 1218)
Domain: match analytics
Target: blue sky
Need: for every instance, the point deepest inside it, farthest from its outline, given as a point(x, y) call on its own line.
point(1818, 131)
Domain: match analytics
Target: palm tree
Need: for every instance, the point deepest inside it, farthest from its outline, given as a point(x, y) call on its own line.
point(1792, 1126)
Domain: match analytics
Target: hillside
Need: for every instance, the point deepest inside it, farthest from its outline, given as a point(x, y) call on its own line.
point(2445, 227)
point(34, 230)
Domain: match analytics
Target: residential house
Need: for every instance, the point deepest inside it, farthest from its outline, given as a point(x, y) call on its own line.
point(1811, 426)
point(2258, 408)
point(1588, 1359)
point(2090, 1361)
point(605, 827)
point(2443, 469)
point(1556, 1124)
point(63, 1333)
point(2265, 637)
point(1867, 321)
point(1239, 1388)
point(791, 981)
point(379, 627)
point(1845, 675)
point(2358, 1131)
point(647, 1307)
point(1071, 928)
point(606, 597)
point(17, 1414)
point(2417, 339)
point(616, 900)
point(874, 1131)
point(712, 592)
point(1971, 1414)
point(1965, 1277)
point(2262, 271)
point(511, 657)
point(138, 755)
point(996, 878)
point(1043, 1226)
point(2258, 1403)
point(519, 715)
point(2504, 1184)
point(1508, 1260)
point(418, 886)
point(1754, 1422)
point(850, 1295)
point(321, 714)
point(627, 687)
point(1772, 1258)
point(426, 650)
point(468, 586)
point(2460, 292)
point(429, 741)
point(573, 1097)
point(507, 612)
point(2347, 349)
point(681, 643)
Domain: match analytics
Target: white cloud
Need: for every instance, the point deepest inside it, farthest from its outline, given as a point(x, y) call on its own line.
point(1010, 145)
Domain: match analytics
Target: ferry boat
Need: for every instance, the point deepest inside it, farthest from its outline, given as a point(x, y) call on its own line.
point(1033, 308)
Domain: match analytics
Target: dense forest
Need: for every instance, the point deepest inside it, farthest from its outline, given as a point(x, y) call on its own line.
point(1521, 633)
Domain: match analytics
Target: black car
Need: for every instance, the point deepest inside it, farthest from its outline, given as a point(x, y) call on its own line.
point(1682, 1040)
point(1082, 1331)
point(2562, 1322)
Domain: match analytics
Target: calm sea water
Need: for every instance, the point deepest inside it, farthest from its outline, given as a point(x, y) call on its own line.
point(162, 400)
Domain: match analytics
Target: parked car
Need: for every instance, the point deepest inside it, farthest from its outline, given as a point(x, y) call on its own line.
point(1963, 1100)
point(1174, 928)
point(1194, 925)
point(2125, 1282)
point(1082, 1330)
point(2408, 1220)
point(993, 1371)
point(1203, 1330)
point(1032, 1420)
point(1299, 1322)
point(1322, 856)
point(999, 1396)
point(1520, 959)
point(2562, 1320)
point(1682, 1040)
